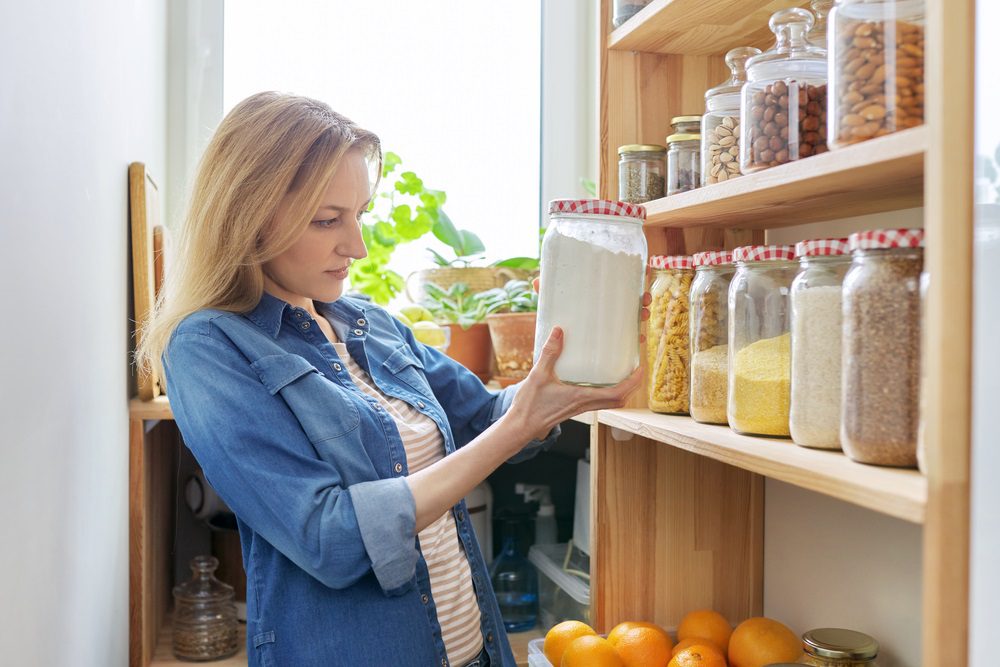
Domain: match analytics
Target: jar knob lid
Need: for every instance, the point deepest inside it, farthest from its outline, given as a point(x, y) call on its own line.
point(791, 26)
point(737, 58)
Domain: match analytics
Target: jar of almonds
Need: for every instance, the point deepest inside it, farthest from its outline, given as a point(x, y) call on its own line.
point(783, 104)
point(878, 69)
point(720, 126)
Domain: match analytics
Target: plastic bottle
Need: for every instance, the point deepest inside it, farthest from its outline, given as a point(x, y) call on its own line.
point(515, 582)
point(545, 521)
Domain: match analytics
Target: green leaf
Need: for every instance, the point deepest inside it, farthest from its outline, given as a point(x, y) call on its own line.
point(389, 162)
point(401, 215)
point(523, 263)
point(433, 198)
point(589, 186)
point(446, 233)
point(384, 234)
point(415, 228)
point(409, 183)
point(471, 244)
point(438, 259)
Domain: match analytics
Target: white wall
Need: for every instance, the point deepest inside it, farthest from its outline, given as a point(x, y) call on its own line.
point(82, 93)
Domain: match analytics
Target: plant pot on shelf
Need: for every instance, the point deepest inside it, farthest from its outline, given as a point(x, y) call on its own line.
point(471, 348)
point(479, 279)
point(513, 336)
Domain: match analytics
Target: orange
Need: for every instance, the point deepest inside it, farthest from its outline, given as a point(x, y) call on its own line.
point(622, 628)
point(698, 655)
point(691, 641)
point(706, 624)
point(590, 651)
point(640, 646)
point(560, 636)
point(757, 642)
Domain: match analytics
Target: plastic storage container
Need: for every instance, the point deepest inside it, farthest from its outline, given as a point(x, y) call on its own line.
point(592, 280)
point(205, 625)
point(881, 369)
point(668, 334)
point(837, 647)
point(814, 415)
point(759, 340)
point(720, 126)
point(710, 336)
point(642, 172)
point(783, 104)
point(877, 69)
point(623, 10)
point(563, 594)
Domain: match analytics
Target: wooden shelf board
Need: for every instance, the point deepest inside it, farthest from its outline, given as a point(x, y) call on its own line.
point(158, 408)
point(699, 27)
point(892, 491)
point(588, 418)
point(882, 174)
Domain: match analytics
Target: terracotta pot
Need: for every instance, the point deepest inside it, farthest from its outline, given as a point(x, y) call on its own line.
point(479, 279)
point(513, 336)
point(471, 348)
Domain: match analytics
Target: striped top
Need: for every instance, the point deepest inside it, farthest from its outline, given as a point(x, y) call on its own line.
point(450, 575)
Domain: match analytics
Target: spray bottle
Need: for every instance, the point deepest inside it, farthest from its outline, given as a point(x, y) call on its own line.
point(545, 520)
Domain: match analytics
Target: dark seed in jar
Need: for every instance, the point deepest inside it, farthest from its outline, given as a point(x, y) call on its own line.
point(777, 133)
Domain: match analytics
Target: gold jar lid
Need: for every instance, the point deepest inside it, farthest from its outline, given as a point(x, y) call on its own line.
point(640, 148)
point(685, 119)
point(838, 643)
point(683, 137)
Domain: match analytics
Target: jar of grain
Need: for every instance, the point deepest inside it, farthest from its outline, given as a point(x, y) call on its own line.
point(641, 172)
point(881, 347)
point(814, 417)
point(667, 334)
point(783, 104)
point(837, 647)
point(720, 126)
point(593, 274)
point(710, 336)
point(759, 340)
point(878, 69)
point(623, 10)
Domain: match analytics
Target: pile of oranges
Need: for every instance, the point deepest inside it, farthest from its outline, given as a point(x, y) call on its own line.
point(704, 639)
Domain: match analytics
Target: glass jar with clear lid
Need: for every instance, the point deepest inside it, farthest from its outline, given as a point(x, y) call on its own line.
point(667, 334)
point(641, 172)
point(837, 647)
point(760, 340)
point(623, 10)
point(821, 12)
point(710, 336)
point(877, 68)
point(205, 625)
point(783, 104)
point(881, 356)
point(593, 274)
point(814, 415)
point(720, 126)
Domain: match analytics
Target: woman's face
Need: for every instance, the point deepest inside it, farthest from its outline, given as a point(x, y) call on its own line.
point(315, 267)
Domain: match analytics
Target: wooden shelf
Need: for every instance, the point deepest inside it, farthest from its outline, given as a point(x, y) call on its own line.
point(588, 418)
point(883, 174)
point(699, 28)
point(896, 492)
point(158, 408)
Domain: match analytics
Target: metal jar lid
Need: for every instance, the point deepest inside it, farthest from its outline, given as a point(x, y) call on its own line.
point(641, 148)
point(683, 137)
point(838, 643)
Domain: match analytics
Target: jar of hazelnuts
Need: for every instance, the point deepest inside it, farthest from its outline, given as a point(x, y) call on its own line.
point(783, 104)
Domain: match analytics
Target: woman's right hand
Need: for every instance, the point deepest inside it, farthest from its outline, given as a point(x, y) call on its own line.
point(543, 401)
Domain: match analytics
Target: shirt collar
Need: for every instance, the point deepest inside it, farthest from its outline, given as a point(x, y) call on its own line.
point(345, 313)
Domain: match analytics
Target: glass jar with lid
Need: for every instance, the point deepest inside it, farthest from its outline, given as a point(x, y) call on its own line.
point(667, 334)
point(760, 340)
point(683, 163)
point(593, 273)
point(881, 355)
point(623, 10)
point(783, 104)
point(720, 126)
point(710, 336)
point(686, 124)
point(641, 172)
point(877, 68)
point(837, 647)
point(205, 625)
point(814, 416)
point(821, 12)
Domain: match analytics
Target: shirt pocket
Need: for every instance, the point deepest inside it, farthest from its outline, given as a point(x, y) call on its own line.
point(405, 366)
point(323, 409)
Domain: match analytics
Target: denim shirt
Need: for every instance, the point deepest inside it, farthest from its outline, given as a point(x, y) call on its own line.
point(315, 472)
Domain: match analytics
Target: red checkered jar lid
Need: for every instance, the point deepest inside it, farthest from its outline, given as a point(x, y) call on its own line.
point(764, 253)
point(712, 258)
point(663, 262)
point(597, 207)
point(879, 239)
point(822, 248)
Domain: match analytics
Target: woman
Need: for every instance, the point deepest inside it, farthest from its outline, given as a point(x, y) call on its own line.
point(343, 446)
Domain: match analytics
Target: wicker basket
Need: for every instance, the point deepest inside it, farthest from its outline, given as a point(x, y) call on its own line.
point(479, 279)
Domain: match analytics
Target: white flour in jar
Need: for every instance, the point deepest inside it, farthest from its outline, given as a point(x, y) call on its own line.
point(594, 294)
point(814, 418)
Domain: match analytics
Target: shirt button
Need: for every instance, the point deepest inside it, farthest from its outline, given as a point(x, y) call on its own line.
point(461, 515)
point(398, 467)
point(489, 636)
point(358, 332)
point(424, 598)
point(337, 367)
point(298, 314)
point(444, 663)
point(421, 405)
point(361, 323)
point(305, 325)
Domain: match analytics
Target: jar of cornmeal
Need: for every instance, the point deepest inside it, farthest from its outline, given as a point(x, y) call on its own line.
point(760, 340)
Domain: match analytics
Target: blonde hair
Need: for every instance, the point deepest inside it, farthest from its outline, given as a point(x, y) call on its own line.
point(270, 145)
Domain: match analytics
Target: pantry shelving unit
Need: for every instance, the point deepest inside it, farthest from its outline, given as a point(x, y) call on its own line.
point(678, 507)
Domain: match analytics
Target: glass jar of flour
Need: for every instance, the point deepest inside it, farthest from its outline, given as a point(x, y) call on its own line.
point(591, 284)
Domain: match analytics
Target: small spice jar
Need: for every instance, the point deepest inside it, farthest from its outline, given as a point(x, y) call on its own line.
point(759, 340)
point(667, 334)
point(684, 155)
point(641, 172)
point(205, 626)
point(623, 10)
point(783, 104)
point(814, 417)
point(710, 336)
point(686, 124)
point(877, 67)
point(881, 347)
point(720, 126)
point(836, 647)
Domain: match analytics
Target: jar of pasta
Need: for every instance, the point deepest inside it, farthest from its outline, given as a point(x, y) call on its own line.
point(668, 355)
point(709, 336)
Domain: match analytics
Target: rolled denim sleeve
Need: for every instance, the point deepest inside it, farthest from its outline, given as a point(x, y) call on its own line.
point(257, 457)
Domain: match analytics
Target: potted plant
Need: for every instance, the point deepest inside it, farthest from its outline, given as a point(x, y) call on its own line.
point(462, 312)
point(511, 312)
